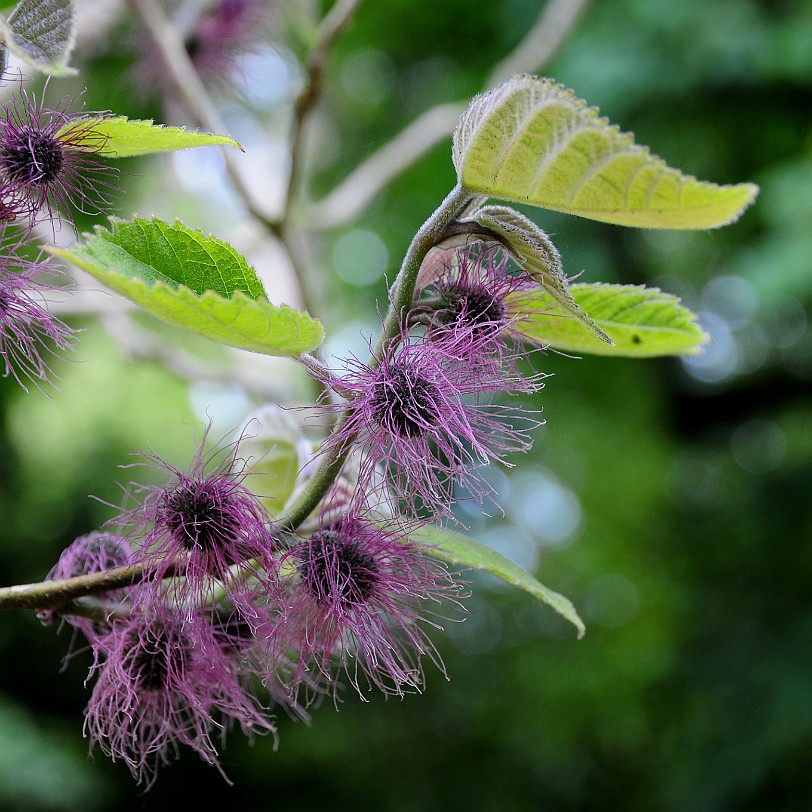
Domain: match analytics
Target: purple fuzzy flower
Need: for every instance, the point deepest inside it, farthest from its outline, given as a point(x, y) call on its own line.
point(98, 551)
point(248, 632)
point(419, 412)
point(164, 682)
point(364, 599)
point(475, 292)
point(215, 41)
point(223, 34)
point(199, 525)
point(49, 158)
point(27, 330)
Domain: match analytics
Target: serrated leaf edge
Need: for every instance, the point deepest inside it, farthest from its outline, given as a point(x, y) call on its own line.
point(486, 104)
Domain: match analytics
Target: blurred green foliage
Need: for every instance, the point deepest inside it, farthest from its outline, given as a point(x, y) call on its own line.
point(669, 500)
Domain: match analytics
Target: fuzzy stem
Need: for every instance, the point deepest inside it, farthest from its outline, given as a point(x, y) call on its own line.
point(430, 233)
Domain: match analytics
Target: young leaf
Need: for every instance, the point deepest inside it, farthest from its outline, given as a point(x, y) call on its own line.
point(198, 283)
point(642, 322)
point(462, 551)
point(534, 251)
point(533, 141)
point(125, 138)
point(42, 33)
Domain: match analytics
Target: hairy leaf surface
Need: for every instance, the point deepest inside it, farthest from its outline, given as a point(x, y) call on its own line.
point(42, 33)
point(533, 141)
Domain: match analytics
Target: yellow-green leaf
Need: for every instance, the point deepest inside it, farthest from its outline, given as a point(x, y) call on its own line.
point(642, 322)
point(533, 141)
point(120, 137)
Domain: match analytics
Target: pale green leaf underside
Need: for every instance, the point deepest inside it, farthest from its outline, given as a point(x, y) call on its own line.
point(642, 322)
point(462, 551)
point(272, 478)
point(120, 137)
point(533, 141)
point(42, 33)
point(197, 283)
point(535, 252)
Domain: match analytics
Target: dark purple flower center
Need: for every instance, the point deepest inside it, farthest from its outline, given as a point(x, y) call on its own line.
point(156, 654)
point(193, 45)
point(200, 514)
point(470, 305)
point(404, 402)
point(335, 568)
point(33, 158)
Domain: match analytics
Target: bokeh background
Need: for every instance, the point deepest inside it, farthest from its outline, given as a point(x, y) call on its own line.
point(670, 500)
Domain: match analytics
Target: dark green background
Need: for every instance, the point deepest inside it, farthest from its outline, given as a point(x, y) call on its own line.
point(691, 565)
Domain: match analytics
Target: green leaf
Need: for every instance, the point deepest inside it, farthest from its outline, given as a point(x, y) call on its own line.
point(198, 283)
point(533, 141)
point(42, 33)
point(462, 551)
point(124, 138)
point(534, 251)
point(642, 322)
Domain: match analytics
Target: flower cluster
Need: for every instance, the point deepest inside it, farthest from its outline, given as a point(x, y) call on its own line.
point(230, 596)
point(48, 167)
point(424, 411)
point(229, 600)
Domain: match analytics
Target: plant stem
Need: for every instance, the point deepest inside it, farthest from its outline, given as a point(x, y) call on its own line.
point(430, 233)
point(53, 594)
point(331, 26)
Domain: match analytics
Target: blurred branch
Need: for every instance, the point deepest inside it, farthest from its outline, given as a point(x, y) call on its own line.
point(141, 344)
point(200, 104)
point(332, 25)
point(361, 186)
point(553, 26)
point(194, 92)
